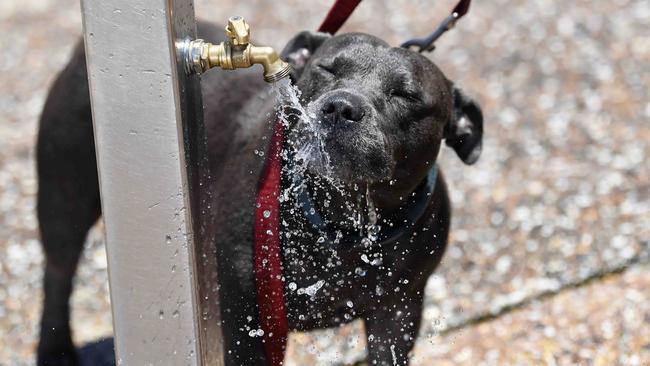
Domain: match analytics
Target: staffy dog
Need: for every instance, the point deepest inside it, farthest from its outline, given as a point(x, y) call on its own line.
point(365, 216)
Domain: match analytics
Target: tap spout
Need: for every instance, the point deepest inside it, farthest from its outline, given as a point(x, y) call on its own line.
point(274, 68)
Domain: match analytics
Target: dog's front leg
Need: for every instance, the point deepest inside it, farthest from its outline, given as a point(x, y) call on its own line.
point(391, 330)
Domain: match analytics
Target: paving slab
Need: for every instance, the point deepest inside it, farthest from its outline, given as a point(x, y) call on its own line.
point(603, 323)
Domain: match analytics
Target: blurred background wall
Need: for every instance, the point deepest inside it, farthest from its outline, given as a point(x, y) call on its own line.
point(548, 258)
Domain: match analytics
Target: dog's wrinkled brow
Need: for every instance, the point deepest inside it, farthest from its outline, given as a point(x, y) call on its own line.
point(403, 80)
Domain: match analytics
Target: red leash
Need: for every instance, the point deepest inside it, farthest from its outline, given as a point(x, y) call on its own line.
point(338, 14)
point(268, 260)
point(268, 256)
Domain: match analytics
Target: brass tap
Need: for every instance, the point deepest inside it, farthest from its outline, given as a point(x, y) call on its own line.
point(236, 53)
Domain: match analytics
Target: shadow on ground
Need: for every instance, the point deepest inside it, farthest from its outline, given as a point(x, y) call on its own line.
point(100, 353)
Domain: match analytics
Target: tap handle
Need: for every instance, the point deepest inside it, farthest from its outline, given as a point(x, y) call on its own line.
point(238, 31)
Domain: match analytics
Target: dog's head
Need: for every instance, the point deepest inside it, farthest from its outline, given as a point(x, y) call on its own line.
point(383, 111)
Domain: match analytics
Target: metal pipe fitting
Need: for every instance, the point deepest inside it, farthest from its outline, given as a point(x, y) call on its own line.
point(236, 53)
point(274, 68)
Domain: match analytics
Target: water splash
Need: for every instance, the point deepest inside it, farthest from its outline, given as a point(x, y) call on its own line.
point(290, 111)
point(307, 149)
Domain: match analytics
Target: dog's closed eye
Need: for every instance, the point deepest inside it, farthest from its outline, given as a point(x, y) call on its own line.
point(405, 94)
point(337, 66)
point(326, 68)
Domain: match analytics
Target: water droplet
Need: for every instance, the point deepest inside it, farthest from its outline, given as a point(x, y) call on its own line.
point(311, 290)
point(255, 333)
point(379, 290)
point(266, 214)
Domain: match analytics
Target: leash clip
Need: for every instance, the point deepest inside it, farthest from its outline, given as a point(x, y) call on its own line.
point(427, 43)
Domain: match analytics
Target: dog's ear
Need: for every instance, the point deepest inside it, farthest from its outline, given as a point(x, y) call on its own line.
point(464, 133)
point(300, 49)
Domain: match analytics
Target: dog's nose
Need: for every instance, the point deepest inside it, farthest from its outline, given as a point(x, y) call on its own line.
point(342, 108)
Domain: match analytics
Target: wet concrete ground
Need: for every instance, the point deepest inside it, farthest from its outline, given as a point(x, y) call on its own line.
point(548, 260)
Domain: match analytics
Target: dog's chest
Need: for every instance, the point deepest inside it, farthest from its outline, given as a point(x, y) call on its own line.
point(328, 284)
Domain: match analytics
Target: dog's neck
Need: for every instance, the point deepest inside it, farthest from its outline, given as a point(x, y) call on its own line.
point(342, 206)
point(352, 207)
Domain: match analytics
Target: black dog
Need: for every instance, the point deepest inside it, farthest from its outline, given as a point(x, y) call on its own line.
point(365, 213)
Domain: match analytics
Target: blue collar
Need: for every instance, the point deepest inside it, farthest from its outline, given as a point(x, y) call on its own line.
point(414, 209)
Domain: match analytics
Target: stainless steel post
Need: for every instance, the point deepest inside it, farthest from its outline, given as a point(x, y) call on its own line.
point(150, 150)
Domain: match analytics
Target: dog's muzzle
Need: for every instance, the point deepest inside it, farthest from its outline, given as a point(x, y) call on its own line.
point(341, 108)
